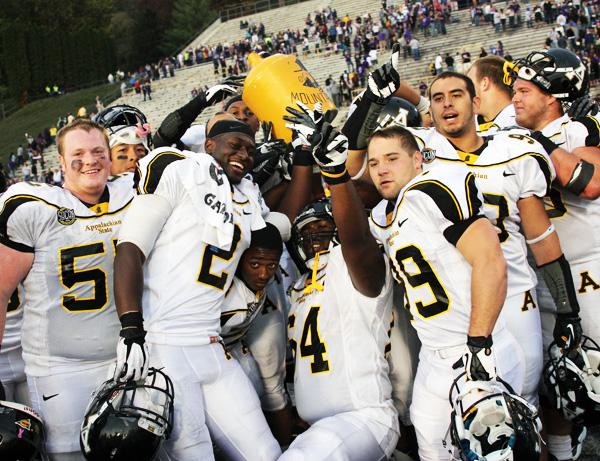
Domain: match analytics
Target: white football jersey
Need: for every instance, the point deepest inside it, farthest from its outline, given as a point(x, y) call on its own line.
point(419, 232)
point(253, 330)
point(338, 337)
point(508, 167)
point(68, 306)
point(576, 219)
point(429, 139)
point(506, 118)
point(185, 278)
point(242, 305)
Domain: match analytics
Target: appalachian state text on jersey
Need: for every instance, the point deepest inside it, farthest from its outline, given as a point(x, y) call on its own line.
point(68, 307)
point(419, 233)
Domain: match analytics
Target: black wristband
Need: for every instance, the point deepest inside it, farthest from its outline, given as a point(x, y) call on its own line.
point(132, 319)
point(482, 342)
point(548, 145)
point(302, 158)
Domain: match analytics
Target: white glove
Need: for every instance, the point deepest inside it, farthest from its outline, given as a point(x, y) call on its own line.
point(332, 155)
point(383, 82)
point(132, 361)
point(219, 93)
point(478, 359)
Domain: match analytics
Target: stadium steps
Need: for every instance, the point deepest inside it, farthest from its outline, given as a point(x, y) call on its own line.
point(171, 93)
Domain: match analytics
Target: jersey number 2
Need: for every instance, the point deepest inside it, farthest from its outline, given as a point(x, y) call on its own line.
point(206, 276)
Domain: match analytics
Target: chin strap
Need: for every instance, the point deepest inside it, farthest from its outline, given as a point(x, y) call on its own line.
point(314, 285)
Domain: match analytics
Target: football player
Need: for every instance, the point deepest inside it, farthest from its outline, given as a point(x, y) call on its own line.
point(338, 330)
point(178, 250)
point(514, 173)
point(253, 327)
point(129, 136)
point(448, 257)
point(60, 244)
point(543, 82)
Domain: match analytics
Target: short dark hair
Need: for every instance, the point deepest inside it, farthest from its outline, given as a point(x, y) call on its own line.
point(492, 67)
point(446, 75)
point(406, 138)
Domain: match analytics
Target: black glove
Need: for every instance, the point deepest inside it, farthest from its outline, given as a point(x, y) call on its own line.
point(478, 359)
point(383, 82)
point(132, 351)
point(548, 145)
point(218, 93)
point(583, 106)
point(234, 80)
point(305, 125)
point(2, 394)
point(267, 159)
point(567, 331)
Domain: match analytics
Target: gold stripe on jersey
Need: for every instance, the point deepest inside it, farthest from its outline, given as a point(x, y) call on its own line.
point(155, 169)
point(473, 201)
point(486, 126)
point(24, 198)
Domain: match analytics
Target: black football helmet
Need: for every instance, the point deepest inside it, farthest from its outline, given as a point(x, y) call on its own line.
point(489, 422)
point(21, 433)
point(128, 420)
point(572, 382)
point(321, 209)
point(398, 111)
point(556, 71)
point(121, 116)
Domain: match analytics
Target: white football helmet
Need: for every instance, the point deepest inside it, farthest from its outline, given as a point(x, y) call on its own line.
point(489, 422)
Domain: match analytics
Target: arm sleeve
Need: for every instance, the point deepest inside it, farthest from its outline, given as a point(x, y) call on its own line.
point(266, 339)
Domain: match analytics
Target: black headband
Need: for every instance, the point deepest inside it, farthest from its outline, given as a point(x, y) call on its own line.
point(231, 100)
point(229, 126)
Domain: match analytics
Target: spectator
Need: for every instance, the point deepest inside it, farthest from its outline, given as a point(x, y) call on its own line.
point(99, 105)
point(26, 172)
point(438, 63)
point(449, 62)
point(415, 49)
point(483, 53)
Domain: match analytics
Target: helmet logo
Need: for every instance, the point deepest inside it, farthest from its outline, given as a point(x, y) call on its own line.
point(24, 423)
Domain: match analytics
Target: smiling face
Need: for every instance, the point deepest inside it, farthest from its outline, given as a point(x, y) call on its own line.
point(452, 108)
point(125, 157)
point(234, 152)
point(316, 236)
point(391, 166)
point(85, 160)
point(242, 112)
point(258, 266)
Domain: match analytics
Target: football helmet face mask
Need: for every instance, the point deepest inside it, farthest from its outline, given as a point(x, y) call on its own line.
point(490, 423)
point(556, 71)
point(572, 382)
point(122, 116)
point(398, 111)
point(21, 433)
point(128, 420)
point(316, 211)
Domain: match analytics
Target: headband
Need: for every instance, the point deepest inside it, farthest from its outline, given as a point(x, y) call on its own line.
point(229, 126)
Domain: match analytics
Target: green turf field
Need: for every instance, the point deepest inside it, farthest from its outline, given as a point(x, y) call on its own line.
point(36, 116)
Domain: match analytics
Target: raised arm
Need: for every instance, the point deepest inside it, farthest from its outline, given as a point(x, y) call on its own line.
point(362, 254)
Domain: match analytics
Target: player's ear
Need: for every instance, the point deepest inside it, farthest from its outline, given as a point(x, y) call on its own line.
point(209, 145)
point(61, 160)
point(418, 160)
point(476, 104)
